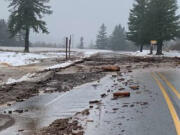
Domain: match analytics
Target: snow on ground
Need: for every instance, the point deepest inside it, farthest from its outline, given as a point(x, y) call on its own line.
point(62, 65)
point(23, 78)
point(90, 52)
point(19, 59)
point(145, 53)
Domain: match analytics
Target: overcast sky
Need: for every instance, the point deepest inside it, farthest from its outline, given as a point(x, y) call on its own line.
point(80, 18)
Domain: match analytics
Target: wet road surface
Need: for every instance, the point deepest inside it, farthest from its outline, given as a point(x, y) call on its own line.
point(44, 109)
point(154, 109)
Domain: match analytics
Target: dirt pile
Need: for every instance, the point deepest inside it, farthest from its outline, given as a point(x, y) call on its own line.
point(62, 127)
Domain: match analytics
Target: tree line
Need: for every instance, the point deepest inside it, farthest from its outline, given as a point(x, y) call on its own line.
point(153, 20)
point(116, 41)
point(149, 20)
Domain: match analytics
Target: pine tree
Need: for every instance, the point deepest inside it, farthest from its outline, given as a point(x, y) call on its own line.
point(137, 23)
point(118, 39)
point(4, 36)
point(163, 21)
point(27, 15)
point(81, 46)
point(102, 40)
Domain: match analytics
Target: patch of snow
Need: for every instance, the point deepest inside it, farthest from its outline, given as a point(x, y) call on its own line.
point(62, 65)
point(145, 53)
point(90, 52)
point(23, 78)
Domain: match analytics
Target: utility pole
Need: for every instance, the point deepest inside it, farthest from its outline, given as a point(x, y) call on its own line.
point(70, 47)
point(66, 48)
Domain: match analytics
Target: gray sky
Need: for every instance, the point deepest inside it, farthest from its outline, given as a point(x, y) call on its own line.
point(80, 18)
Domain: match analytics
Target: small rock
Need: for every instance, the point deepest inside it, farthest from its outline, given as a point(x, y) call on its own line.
point(121, 94)
point(103, 95)
point(94, 102)
point(8, 104)
point(85, 112)
point(19, 111)
point(115, 109)
point(110, 68)
point(121, 89)
point(90, 120)
point(10, 112)
point(20, 130)
point(134, 87)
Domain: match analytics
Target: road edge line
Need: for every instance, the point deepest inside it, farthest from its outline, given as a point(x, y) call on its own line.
point(169, 103)
point(169, 85)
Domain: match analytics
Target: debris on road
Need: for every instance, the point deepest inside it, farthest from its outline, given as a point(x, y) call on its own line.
point(85, 112)
point(120, 89)
point(19, 111)
point(94, 102)
point(121, 79)
point(121, 94)
point(111, 68)
point(62, 127)
point(134, 87)
point(103, 95)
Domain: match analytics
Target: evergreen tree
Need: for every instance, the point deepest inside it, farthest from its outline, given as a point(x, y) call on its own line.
point(4, 36)
point(102, 40)
point(118, 39)
point(163, 21)
point(81, 46)
point(27, 15)
point(137, 23)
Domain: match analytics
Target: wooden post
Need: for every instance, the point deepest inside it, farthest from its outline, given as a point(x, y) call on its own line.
point(66, 48)
point(70, 47)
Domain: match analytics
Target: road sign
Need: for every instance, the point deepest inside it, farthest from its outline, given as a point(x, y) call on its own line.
point(153, 42)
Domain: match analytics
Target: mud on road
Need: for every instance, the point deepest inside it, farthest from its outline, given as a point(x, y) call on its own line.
point(65, 79)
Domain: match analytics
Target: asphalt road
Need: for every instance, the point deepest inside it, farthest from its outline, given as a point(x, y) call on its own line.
point(154, 109)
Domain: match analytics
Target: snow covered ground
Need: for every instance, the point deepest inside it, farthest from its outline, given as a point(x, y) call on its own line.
point(145, 53)
point(19, 59)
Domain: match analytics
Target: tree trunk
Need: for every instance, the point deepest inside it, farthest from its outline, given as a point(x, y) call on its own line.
point(151, 50)
point(159, 48)
point(26, 49)
point(141, 48)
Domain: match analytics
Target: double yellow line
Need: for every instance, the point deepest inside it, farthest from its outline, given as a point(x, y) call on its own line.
point(168, 100)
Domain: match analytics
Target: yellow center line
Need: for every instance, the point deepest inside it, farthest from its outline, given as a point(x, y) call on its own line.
point(170, 105)
point(169, 85)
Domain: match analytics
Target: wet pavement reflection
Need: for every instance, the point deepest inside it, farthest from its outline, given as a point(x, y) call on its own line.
point(44, 109)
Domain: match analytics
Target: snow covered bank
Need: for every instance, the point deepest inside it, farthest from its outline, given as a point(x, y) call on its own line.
point(145, 53)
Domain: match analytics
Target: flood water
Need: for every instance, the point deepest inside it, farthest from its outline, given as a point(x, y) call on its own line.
point(44, 109)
